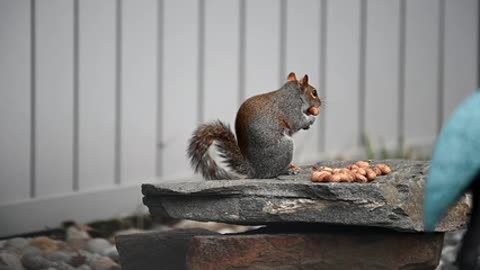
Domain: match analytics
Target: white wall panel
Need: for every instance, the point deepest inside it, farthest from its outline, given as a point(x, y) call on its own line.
point(461, 48)
point(262, 47)
point(221, 60)
point(180, 84)
point(381, 76)
point(54, 97)
point(14, 100)
point(96, 93)
point(342, 73)
point(421, 71)
point(138, 90)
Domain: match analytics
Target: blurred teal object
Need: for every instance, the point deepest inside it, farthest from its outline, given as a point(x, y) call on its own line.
point(456, 161)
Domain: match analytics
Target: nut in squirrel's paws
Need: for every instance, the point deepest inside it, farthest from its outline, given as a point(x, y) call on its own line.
point(293, 169)
point(313, 111)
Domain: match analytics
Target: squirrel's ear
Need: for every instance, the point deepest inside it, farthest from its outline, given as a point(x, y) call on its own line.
point(292, 77)
point(305, 81)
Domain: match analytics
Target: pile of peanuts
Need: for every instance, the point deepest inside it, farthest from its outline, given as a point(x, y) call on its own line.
point(361, 171)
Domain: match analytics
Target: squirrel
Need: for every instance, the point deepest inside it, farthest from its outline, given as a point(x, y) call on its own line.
point(264, 125)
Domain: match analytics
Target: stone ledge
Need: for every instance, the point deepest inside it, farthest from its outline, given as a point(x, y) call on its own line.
point(392, 201)
point(329, 250)
point(156, 250)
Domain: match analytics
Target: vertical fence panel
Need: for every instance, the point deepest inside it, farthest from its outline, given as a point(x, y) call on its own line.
point(461, 52)
point(180, 83)
point(262, 46)
point(342, 75)
point(139, 91)
point(381, 82)
point(221, 60)
point(421, 71)
point(96, 93)
point(14, 100)
point(54, 103)
point(302, 52)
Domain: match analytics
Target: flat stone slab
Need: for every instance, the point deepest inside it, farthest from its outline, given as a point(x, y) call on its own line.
point(393, 201)
point(334, 250)
point(156, 250)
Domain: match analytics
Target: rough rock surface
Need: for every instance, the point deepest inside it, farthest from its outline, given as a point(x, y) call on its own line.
point(392, 201)
point(329, 250)
point(158, 250)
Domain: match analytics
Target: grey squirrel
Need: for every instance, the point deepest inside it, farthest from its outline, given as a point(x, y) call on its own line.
point(264, 126)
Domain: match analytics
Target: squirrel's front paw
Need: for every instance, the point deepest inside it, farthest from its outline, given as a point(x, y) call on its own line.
point(310, 120)
point(293, 169)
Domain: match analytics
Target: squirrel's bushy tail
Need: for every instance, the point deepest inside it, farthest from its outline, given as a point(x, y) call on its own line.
point(203, 137)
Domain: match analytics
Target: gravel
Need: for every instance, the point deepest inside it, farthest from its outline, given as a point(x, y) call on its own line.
point(44, 253)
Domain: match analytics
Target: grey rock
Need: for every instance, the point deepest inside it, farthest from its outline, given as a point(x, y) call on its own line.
point(98, 245)
point(31, 250)
point(105, 263)
point(449, 254)
point(392, 201)
point(84, 267)
point(62, 266)
point(34, 262)
point(17, 243)
point(10, 261)
point(454, 238)
point(59, 256)
point(112, 252)
point(156, 250)
point(92, 259)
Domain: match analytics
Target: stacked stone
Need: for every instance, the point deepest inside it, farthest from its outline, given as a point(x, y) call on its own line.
point(373, 225)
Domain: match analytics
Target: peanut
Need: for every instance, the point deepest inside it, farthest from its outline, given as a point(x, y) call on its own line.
point(360, 178)
point(384, 168)
point(314, 111)
point(371, 175)
point(377, 171)
point(336, 178)
point(362, 164)
point(362, 171)
point(328, 169)
point(349, 176)
point(320, 176)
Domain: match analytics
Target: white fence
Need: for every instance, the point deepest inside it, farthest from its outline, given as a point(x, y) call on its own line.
point(99, 96)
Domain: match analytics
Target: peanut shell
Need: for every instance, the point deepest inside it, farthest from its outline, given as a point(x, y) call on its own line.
point(362, 164)
point(371, 175)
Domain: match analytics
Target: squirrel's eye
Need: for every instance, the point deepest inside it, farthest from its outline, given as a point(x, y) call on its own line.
point(314, 93)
